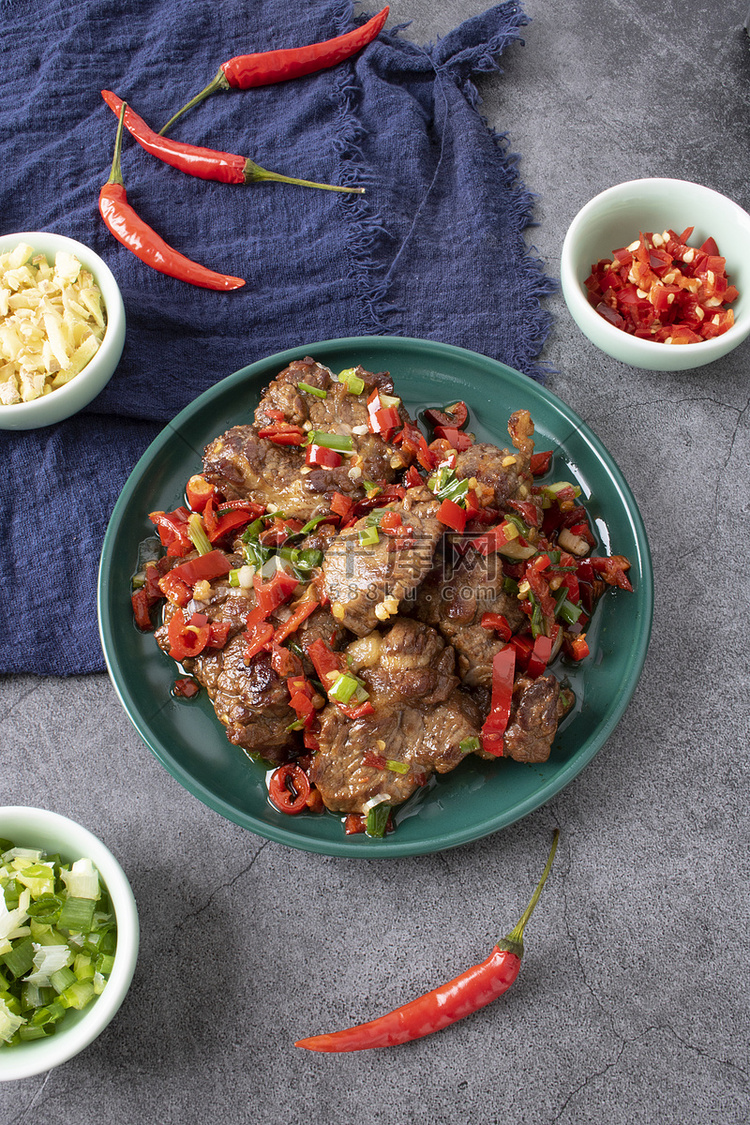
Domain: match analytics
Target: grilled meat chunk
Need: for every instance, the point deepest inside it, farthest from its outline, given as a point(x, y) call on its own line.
point(536, 709)
point(456, 603)
point(419, 720)
point(242, 463)
point(366, 584)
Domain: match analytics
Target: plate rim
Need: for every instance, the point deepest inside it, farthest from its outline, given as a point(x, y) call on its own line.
point(358, 847)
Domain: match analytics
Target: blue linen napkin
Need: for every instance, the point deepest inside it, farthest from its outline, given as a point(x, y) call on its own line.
point(435, 248)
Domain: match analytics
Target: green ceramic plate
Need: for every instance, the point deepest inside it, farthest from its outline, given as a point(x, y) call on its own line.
point(479, 797)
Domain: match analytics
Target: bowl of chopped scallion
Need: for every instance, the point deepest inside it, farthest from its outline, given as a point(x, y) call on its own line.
point(68, 939)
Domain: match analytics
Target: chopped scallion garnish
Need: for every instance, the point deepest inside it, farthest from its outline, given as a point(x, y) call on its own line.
point(317, 391)
point(469, 745)
point(368, 536)
point(377, 820)
point(352, 381)
point(197, 535)
point(342, 443)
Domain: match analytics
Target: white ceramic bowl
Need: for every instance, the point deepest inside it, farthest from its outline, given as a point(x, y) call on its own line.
point(87, 384)
point(614, 219)
point(30, 827)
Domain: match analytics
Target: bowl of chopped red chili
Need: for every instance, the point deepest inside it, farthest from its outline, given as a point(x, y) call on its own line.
point(656, 273)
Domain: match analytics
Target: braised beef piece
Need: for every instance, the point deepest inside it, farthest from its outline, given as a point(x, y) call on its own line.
point(501, 475)
point(251, 700)
point(241, 463)
point(420, 718)
point(535, 711)
point(338, 408)
point(455, 604)
point(366, 583)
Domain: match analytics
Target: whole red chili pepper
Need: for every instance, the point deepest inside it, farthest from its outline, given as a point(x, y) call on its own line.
point(468, 992)
point(266, 67)
point(129, 229)
point(206, 163)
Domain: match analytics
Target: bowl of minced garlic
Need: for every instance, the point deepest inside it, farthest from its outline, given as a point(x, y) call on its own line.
point(62, 328)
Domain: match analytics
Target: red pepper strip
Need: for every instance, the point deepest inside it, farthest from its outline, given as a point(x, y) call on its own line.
point(456, 438)
point(206, 163)
point(129, 229)
point(300, 614)
point(540, 463)
point(329, 665)
point(577, 648)
point(275, 591)
point(467, 993)
point(186, 687)
point(452, 515)
point(264, 68)
point(172, 528)
point(142, 610)
point(342, 506)
point(289, 788)
point(319, 456)
point(540, 655)
point(213, 565)
point(612, 570)
point(497, 622)
point(503, 670)
point(283, 433)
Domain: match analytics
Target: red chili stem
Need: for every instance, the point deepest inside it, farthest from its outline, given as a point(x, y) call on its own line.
point(129, 229)
point(460, 997)
point(266, 67)
point(206, 163)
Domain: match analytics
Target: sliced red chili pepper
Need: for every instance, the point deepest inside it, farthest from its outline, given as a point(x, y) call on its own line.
point(187, 638)
point(413, 442)
point(576, 648)
point(129, 229)
point(466, 993)
point(342, 506)
point(199, 491)
point(289, 788)
point(412, 477)
point(301, 612)
point(320, 456)
point(523, 644)
point(498, 623)
point(263, 68)
point(528, 512)
point(283, 433)
point(540, 463)
point(493, 540)
point(540, 655)
point(452, 515)
point(503, 670)
point(214, 564)
point(612, 570)
point(142, 606)
point(354, 823)
point(457, 439)
point(172, 528)
point(273, 592)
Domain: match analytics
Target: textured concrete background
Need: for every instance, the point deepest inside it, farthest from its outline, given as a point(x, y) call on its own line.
point(632, 1004)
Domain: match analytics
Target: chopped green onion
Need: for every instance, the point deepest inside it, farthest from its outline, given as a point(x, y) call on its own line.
point(368, 536)
point(469, 745)
point(58, 933)
point(344, 687)
point(317, 391)
point(518, 523)
point(77, 915)
point(510, 586)
point(396, 767)
point(377, 820)
point(447, 486)
point(342, 443)
point(312, 524)
point(197, 535)
point(567, 609)
point(352, 381)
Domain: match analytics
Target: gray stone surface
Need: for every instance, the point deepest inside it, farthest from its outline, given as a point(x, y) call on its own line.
point(632, 1005)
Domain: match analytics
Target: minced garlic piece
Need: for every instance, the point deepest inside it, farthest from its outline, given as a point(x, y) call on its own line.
point(52, 322)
